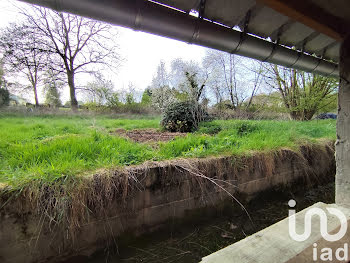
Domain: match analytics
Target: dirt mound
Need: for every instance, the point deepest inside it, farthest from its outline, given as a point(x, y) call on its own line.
point(148, 135)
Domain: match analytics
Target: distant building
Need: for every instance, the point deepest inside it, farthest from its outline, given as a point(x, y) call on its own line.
point(17, 101)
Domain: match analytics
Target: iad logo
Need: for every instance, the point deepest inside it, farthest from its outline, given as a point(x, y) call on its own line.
point(323, 223)
point(326, 254)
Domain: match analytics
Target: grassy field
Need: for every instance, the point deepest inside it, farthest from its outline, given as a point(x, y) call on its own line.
point(45, 148)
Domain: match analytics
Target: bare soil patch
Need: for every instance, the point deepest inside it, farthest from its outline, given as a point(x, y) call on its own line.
point(149, 135)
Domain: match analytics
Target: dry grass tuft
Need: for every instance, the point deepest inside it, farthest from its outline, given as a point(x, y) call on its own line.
point(81, 199)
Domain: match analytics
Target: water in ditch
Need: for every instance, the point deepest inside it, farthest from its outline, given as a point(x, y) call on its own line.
point(190, 242)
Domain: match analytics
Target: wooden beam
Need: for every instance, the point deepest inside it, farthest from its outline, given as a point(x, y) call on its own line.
point(310, 15)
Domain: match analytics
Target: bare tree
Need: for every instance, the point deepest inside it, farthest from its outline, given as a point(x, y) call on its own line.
point(257, 75)
point(214, 83)
point(227, 73)
point(80, 43)
point(233, 79)
point(24, 53)
point(130, 95)
point(99, 90)
point(161, 79)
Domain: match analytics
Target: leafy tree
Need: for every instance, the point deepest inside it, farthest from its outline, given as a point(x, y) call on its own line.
point(192, 82)
point(113, 100)
point(52, 88)
point(146, 97)
point(129, 99)
point(303, 94)
point(186, 82)
point(180, 95)
point(130, 94)
point(330, 104)
point(189, 78)
point(52, 96)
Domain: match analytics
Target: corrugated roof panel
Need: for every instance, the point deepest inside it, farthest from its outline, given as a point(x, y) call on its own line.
point(333, 52)
point(265, 22)
point(184, 5)
point(295, 34)
point(229, 13)
point(317, 44)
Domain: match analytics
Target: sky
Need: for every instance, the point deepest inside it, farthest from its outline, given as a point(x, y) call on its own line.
point(142, 51)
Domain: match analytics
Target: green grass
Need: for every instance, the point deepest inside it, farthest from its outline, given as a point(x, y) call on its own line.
point(241, 137)
point(49, 148)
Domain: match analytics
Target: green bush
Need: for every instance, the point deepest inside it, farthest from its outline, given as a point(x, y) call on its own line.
point(183, 116)
point(4, 97)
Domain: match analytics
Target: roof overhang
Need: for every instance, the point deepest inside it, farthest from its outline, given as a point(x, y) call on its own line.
point(268, 30)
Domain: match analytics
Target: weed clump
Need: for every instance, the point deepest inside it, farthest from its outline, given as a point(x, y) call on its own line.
point(246, 128)
point(210, 128)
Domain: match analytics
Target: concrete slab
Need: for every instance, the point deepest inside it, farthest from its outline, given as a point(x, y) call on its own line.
point(274, 244)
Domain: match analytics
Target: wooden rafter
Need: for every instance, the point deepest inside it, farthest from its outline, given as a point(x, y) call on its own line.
point(310, 15)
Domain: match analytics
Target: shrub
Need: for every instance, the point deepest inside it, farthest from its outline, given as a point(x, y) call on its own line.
point(183, 116)
point(4, 97)
point(93, 106)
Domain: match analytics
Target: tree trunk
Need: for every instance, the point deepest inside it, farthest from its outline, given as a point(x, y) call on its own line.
point(304, 115)
point(200, 93)
point(73, 99)
point(309, 114)
point(294, 115)
point(35, 95)
point(232, 101)
point(250, 101)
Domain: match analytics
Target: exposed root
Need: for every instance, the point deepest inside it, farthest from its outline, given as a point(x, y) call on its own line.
point(215, 182)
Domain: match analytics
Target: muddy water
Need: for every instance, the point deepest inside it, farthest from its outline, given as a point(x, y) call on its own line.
point(193, 241)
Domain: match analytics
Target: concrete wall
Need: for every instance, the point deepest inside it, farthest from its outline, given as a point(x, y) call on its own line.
point(157, 193)
point(342, 196)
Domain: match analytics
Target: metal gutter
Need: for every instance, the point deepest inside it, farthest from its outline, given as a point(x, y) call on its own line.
point(157, 19)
